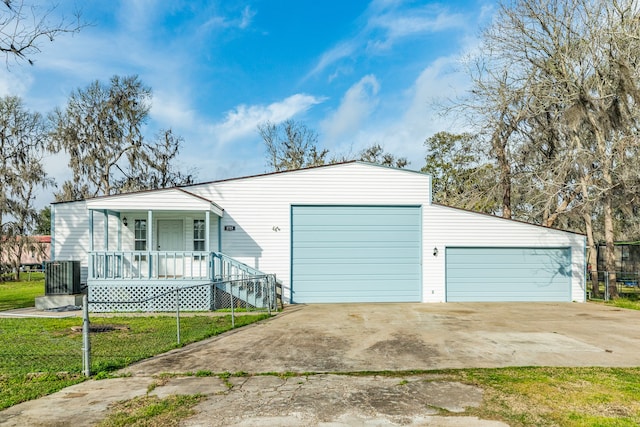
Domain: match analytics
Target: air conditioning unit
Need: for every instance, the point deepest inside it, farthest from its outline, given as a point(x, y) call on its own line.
point(62, 277)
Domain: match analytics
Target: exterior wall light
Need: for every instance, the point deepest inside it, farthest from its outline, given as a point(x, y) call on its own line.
point(124, 221)
point(435, 251)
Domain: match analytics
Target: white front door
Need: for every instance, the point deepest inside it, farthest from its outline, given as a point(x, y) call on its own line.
point(170, 239)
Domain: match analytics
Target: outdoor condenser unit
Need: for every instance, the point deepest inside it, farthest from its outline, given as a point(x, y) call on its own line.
point(62, 277)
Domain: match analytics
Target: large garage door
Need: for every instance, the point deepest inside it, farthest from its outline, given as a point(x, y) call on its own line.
point(356, 254)
point(508, 274)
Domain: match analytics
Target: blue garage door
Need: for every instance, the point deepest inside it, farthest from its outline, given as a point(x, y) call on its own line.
point(356, 254)
point(508, 274)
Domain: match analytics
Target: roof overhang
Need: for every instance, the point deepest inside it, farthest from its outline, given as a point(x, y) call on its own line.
point(172, 199)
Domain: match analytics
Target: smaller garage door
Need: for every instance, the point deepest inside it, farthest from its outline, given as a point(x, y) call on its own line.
point(508, 274)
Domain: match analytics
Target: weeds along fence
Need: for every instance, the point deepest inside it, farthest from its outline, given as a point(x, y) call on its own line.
point(627, 283)
point(234, 297)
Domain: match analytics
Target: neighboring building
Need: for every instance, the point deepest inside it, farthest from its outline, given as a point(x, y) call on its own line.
point(350, 232)
point(627, 256)
point(34, 253)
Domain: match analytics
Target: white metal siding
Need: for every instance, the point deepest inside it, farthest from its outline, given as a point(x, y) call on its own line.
point(446, 226)
point(259, 207)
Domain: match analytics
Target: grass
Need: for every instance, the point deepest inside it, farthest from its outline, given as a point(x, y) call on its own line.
point(557, 396)
point(151, 411)
point(23, 293)
point(632, 304)
point(41, 356)
point(519, 397)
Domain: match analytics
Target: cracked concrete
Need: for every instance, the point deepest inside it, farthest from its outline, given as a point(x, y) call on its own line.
point(329, 339)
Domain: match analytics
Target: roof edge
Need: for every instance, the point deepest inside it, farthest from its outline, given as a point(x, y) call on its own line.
point(508, 219)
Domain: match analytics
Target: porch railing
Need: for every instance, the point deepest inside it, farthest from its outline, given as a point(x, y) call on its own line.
point(120, 280)
point(152, 265)
point(167, 265)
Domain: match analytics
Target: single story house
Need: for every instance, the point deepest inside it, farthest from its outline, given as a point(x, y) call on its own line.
point(348, 232)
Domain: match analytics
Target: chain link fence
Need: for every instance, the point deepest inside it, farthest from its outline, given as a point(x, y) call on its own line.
point(232, 299)
point(626, 284)
point(40, 346)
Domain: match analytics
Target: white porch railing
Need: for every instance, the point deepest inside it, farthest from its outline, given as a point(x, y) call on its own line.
point(163, 265)
point(151, 265)
point(128, 280)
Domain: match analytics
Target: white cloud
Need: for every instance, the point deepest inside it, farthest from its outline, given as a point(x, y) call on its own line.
point(172, 109)
point(247, 17)
point(386, 23)
point(242, 22)
point(243, 120)
point(402, 121)
point(14, 81)
point(356, 105)
point(333, 55)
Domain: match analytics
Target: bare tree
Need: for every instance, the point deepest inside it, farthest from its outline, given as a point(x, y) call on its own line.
point(376, 154)
point(153, 165)
point(23, 27)
point(100, 126)
point(291, 145)
point(22, 140)
point(461, 174)
point(557, 92)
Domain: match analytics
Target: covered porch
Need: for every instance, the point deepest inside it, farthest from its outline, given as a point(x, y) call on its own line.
point(153, 237)
point(145, 247)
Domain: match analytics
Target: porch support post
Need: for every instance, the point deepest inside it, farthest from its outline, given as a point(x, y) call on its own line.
point(150, 241)
point(150, 230)
point(219, 234)
point(91, 259)
point(119, 248)
point(105, 244)
point(207, 227)
point(90, 230)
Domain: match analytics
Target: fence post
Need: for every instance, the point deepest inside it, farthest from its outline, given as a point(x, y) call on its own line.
point(266, 288)
point(86, 343)
point(606, 286)
point(178, 314)
point(233, 318)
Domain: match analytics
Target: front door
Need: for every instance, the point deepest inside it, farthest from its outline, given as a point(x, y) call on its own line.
point(170, 244)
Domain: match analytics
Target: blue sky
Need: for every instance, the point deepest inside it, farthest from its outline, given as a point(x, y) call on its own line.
point(357, 72)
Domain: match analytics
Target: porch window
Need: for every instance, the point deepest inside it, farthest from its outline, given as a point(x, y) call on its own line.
point(198, 235)
point(140, 234)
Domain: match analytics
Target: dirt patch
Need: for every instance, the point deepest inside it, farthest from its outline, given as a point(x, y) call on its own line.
point(101, 328)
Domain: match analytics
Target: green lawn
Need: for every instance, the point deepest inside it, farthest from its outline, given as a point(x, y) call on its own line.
point(21, 294)
point(558, 396)
point(41, 356)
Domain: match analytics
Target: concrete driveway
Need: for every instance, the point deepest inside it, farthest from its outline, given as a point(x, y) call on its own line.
point(380, 337)
point(356, 337)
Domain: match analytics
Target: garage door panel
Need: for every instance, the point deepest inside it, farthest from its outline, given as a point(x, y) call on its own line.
point(354, 268)
point(341, 253)
point(373, 235)
point(508, 274)
point(356, 253)
point(343, 216)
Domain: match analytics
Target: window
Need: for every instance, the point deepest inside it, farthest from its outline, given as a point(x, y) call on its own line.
point(140, 235)
point(198, 234)
point(625, 253)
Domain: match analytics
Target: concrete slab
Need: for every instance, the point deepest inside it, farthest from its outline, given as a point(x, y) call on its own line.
point(357, 337)
point(32, 312)
point(378, 337)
